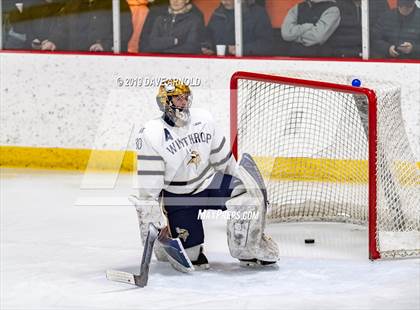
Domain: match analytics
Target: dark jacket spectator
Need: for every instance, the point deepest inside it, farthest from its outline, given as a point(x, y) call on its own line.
point(260, 2)
point(309, 26)
point(47, 16)
point(397, 33)
point(158, 8)
point(377, 8)
point(257, 29)
point(88, 25)
point(17, 21)
point(347, 39)
point(37, 21)
point(176, 32)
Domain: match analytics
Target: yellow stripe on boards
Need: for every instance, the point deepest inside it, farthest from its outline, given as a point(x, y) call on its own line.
point(313, 169)
point(68, 159)
point(277, 169)
point(328, 170)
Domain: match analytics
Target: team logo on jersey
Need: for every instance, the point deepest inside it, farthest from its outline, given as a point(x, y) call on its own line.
point(195, 158)
point(182, 233)
point(139, 143)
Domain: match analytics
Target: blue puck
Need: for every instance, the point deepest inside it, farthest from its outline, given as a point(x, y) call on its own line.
point(356, 83)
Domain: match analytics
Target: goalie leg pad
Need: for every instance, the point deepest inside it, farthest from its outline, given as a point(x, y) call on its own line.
point(246, 238)
point(148, 211)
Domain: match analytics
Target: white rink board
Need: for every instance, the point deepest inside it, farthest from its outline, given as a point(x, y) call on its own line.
point(54, 255)
point(74, 101)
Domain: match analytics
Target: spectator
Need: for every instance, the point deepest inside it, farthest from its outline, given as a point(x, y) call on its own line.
point(309, 26)
point(126, 20)
point(257, 29)
point(347, 39)
point(259, 2)
point(158, 8)
point(377, 8)
point(397, 33)
point(17, 23)
point(46, 17)
point(139, 11)
point(88, 25)
point(178, 29)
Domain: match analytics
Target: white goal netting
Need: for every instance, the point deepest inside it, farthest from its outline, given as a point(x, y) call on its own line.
point(312, 146)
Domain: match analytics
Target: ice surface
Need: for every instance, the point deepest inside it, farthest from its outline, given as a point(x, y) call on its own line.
point(57, 241)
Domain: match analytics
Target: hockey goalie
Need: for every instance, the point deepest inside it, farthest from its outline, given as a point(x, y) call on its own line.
point(185, 165)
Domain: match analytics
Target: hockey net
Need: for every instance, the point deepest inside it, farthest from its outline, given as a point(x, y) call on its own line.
point(331, 152)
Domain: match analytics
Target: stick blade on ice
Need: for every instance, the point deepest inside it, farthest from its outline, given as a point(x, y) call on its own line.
point(121, 276)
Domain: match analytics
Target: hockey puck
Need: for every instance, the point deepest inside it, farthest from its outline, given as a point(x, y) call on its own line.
point(309, 241)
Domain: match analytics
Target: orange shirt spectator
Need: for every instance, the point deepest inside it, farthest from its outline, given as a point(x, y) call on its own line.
point(139, 10)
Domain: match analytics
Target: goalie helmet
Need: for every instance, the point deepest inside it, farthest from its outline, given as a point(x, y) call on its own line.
point(174, 100)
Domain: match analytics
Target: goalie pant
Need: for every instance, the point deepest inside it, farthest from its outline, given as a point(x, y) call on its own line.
point(182, 210)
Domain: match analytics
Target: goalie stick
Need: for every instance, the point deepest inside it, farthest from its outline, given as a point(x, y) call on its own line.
point(138, 279)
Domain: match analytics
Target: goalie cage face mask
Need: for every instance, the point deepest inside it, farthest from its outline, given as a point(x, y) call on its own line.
point(174, 100)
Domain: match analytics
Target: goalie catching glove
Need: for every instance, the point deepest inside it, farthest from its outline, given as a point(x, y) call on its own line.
point(148, 211)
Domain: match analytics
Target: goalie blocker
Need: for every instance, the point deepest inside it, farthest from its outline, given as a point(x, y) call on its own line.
point(243, 193)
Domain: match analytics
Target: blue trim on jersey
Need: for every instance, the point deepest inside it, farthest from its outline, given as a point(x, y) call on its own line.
point(147, 157)
point(184, 183)
point(150, 172)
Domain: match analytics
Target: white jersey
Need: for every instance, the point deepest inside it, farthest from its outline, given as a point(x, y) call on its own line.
point(181, 160)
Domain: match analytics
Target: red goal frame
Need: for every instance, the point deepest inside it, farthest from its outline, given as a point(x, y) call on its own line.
point(372, 137)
